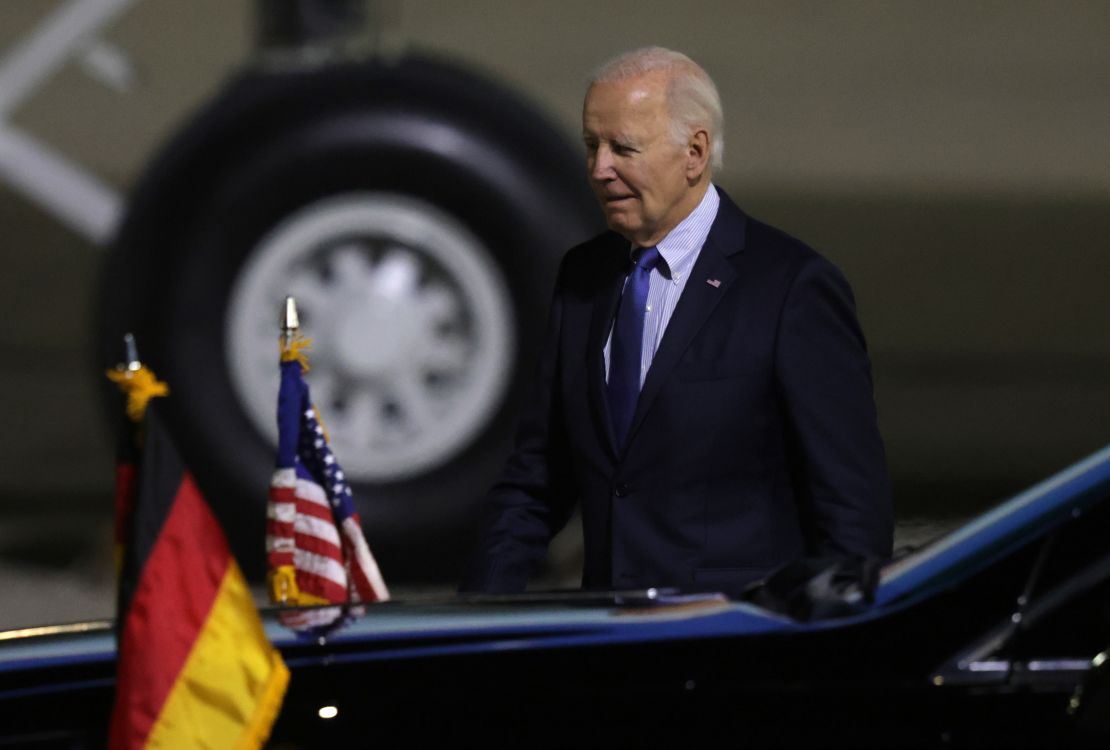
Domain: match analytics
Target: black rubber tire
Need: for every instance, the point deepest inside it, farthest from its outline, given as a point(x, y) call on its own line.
point(274, 143)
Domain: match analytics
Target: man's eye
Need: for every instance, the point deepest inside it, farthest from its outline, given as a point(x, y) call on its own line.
point(623, 149)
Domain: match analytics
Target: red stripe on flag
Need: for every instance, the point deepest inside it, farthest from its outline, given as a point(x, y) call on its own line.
point(318, 546)
point(174, 595)
point(280, 530)
point(320, 587)
point(282, 493)
point(363, 586)
point(309, 508)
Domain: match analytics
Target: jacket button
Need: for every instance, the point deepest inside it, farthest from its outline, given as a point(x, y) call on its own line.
point(621, 490)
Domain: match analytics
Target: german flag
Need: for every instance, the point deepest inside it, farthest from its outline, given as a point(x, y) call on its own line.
point(195, 668)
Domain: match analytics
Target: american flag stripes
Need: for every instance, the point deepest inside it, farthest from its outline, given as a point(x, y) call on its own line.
point(316, 551)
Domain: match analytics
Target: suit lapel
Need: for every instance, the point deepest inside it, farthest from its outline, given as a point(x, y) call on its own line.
point(698, 300)
point(605, 301)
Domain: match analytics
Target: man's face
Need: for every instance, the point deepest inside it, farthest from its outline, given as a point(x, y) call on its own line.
point(637, 170)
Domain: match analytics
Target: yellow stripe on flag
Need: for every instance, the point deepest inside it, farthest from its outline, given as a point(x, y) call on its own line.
point(230, 690)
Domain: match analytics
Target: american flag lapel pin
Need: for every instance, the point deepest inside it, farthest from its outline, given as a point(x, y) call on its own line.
point(715, 283)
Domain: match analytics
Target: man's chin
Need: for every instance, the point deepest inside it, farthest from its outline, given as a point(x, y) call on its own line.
point(620, 223)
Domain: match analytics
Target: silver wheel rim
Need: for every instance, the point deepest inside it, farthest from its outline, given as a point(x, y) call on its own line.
point(411, 326)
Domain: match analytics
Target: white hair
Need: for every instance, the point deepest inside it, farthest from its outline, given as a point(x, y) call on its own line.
point(692, 98)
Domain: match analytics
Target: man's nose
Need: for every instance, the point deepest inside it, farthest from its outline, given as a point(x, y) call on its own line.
point(601, 164)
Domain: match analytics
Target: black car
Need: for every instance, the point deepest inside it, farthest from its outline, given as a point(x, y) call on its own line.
point(995, 635)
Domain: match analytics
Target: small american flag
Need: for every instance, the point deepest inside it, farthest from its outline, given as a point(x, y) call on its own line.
point(315, 548)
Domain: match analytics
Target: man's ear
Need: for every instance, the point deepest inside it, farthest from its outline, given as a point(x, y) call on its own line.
point(697, 154)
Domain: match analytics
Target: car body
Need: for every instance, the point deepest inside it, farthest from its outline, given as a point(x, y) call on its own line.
point(993, 635)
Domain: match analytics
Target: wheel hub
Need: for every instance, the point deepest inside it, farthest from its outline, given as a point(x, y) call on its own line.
point(411, 326)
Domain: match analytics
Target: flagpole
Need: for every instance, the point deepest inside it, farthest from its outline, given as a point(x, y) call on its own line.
point(131, 359)
point(290, 325)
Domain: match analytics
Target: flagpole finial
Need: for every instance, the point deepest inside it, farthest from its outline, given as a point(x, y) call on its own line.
point(290, 322)
point(131, 353)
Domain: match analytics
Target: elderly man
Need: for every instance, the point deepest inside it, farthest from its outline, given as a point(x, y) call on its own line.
point(705, 392)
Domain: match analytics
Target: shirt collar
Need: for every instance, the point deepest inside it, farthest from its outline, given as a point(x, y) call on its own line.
point(679, 249)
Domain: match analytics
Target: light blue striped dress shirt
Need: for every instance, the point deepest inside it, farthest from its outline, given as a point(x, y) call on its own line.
point(679, 249)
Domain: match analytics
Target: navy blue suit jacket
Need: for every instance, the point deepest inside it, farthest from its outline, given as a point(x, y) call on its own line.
point(754, 441)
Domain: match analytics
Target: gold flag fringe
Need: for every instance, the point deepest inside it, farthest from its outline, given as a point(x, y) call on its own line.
point(296, 350)
point(140, 386)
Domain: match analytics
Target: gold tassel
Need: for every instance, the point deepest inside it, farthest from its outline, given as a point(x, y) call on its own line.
point(283, 589)
point(140, 386)
point(283, 585)
point(296, 350)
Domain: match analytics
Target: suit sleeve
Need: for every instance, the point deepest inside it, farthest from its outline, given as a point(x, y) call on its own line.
point(533, 498)
point(837, 455)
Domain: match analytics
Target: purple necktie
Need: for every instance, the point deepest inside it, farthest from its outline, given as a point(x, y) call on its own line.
point(627, 345)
